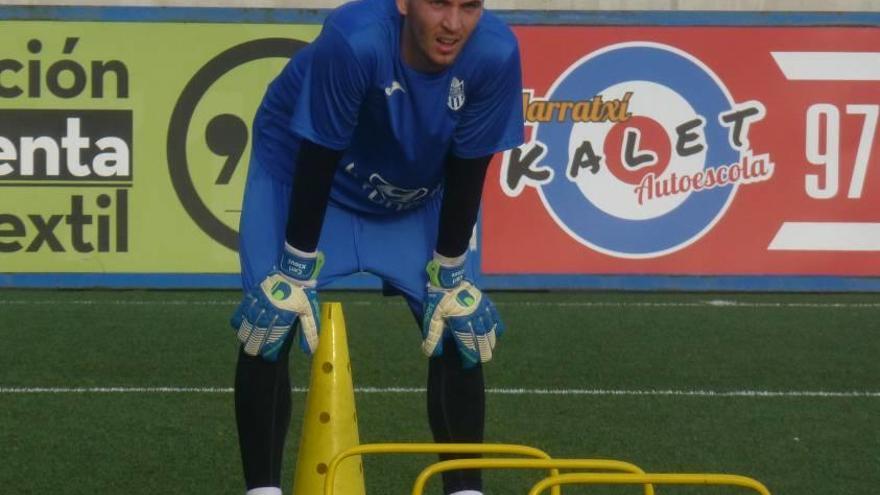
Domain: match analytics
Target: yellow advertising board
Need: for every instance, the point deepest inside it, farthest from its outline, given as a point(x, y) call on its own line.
point(124, 146)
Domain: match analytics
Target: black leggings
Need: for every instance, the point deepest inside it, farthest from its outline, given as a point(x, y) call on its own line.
point(262, 412)
point(456, 412)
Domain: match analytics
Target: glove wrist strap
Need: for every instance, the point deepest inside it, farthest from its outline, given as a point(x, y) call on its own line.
point(445, 272)
point(300, 265)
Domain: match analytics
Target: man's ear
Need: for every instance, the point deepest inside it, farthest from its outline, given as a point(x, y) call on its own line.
point(401, 6)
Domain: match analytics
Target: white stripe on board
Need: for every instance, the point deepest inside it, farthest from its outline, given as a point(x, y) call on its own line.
point(826, 236)
point(556, 304)
point(829, 66)
point(418, 390)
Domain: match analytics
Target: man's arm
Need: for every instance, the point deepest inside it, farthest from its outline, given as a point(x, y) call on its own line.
point(452, 301)
point(287, 295)
point(315, 167)
point(332, 89)
point(461, 202)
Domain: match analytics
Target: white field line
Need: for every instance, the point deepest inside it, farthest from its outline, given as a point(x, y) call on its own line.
point(719, 303)
point(494, 391)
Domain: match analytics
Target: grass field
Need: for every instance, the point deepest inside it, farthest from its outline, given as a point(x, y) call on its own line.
point(105, 392)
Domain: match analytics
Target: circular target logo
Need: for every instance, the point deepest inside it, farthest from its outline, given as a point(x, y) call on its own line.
point(208, 135)
point(641, 150)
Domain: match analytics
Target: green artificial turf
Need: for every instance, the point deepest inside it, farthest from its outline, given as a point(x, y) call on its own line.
point(97, 389)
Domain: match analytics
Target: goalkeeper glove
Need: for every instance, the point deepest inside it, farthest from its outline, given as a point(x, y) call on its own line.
point(455, 303)
point(286, 296)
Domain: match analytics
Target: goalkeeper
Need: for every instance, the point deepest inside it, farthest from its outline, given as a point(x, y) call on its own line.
point(369, 154)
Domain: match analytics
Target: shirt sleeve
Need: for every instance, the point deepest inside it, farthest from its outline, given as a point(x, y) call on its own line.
point(332, 92)
point(492, 117)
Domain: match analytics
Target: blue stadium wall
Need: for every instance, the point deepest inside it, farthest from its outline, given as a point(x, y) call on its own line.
point(799, 215)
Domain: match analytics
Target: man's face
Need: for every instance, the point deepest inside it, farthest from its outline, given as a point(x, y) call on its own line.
point(434, 31)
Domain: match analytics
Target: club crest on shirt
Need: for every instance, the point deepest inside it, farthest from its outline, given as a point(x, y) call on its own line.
point(456, 94)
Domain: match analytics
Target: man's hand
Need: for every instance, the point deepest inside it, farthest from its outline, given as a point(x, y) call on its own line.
point(453, 302)
point(269, 310)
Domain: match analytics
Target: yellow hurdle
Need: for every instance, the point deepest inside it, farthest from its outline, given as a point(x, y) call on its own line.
point(434, 448)
point(639, 479)
point(552, 464)
point(330, 435)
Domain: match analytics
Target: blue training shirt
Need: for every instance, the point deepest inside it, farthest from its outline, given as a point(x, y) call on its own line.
point(350, 90)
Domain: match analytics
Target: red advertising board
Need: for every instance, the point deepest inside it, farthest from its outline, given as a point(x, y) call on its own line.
point(691, 151)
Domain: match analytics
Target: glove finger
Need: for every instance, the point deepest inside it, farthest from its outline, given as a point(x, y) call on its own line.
point(493, 338)
point(473, 337)
point(244, 331)
point(494, 328)
point(433, 326)
point(467, 350)
point(265, 319)
point(253, 342)
point(279, 328)
point(496, 319)
point(236, 320)
point(482, 327)
point(237, 317)
point(459, 324)
point(256, 309)
point(486, 346)
point(312, 295)
point(308, 333)
point(432, 344)
point(277, 334)
point(467, 339)
point(463, 331)
point(241, 311)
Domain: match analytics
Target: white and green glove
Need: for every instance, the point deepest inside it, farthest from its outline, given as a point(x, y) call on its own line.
point(454, 304)
point(266, 315)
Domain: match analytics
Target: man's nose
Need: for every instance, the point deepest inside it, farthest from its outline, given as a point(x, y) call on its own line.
point(452, 20)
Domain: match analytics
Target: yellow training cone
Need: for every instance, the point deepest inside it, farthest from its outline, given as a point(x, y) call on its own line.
point(330, 422)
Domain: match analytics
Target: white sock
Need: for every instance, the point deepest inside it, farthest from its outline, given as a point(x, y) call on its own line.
point(467, 492)
point(269, 490)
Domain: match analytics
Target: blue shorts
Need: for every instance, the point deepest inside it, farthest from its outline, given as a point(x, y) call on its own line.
point(394, 247)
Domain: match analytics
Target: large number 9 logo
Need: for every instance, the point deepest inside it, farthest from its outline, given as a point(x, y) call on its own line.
point(226, 135)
